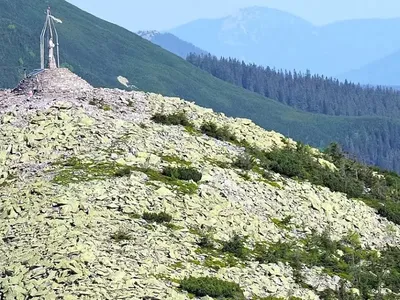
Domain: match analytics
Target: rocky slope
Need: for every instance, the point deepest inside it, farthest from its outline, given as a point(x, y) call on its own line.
point(61, 205)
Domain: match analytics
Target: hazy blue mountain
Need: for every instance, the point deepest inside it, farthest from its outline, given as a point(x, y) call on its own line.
point(385, 71)
point(171, 43)
point(271, 37)
point(260, 35)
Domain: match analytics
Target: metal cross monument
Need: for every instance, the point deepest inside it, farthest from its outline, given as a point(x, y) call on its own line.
point(49, 36)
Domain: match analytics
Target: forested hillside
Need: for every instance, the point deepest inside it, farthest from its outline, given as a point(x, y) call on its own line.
point(312, 93)
point(373, 142)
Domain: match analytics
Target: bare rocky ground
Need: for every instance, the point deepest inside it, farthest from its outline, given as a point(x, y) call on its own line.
point(56, 228)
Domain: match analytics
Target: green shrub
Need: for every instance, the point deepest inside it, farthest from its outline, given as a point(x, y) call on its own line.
point(236, 246)
point(391, 211)
point(106, 107)
point(183, 173)
point(244, 162)
point(178, 118)
point(221, 133)
point(212, 287)
point(205, 242)
point(161, 217)
point(125, 171)
point(276, 252)
point(121, 235)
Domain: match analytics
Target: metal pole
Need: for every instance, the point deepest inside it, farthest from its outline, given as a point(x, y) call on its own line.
point(42, 46)
point(57, 44)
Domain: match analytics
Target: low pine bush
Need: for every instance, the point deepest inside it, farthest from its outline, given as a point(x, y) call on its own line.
point(391, 211)
point(221, 133)
point(178, 118)
point(121, 235)
point(183, 173)
point(212, 287)
point(245, 162)
point(205, 242)
point(161, 217)
point(236, 247)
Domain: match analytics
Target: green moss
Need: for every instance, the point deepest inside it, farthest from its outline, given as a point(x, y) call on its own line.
point(177, 265)
point(135, 216)
point(285, 223)
point(181, 186)
point(195, 262)
point(216, 259)
point(196, 231)
point(192, 130)
point(76, 170)
point(173, 226)
point(218, 163)
point(177, 160)
point(271, 183)
point(215, 263)
point(275, 298)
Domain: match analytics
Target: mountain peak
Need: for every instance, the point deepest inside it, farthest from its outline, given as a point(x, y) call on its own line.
point(266, 15)
point(148, 34)
point(51, 81)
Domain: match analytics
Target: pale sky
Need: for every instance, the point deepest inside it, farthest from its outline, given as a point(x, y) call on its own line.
point(167, 14)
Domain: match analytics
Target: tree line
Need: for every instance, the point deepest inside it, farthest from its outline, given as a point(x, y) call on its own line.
point(304, 91)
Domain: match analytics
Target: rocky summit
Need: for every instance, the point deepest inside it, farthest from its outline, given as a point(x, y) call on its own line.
point(89, 208)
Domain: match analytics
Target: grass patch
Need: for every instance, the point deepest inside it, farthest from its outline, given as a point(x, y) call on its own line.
point(173, 226)
point(277, 298)
point(76, 170)
point(218, 163)
point(213, 287)
point(285, 223)
point(192, 130)
point(177, 160)
point(106, 107)
point(177, 265)
point(181, 186)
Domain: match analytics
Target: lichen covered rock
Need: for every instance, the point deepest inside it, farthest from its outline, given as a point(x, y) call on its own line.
point(73, 176)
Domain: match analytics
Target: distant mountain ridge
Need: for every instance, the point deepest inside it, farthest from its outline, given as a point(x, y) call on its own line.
point(278, 39)
point(384, 71)
point(170, 43)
